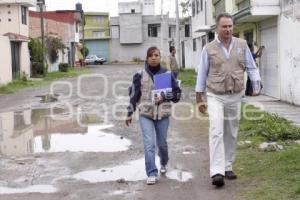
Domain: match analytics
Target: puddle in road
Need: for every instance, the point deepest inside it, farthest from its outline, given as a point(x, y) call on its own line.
point(189, 152)
point(118, 192)
point(31, 189)
point(56, 130)
point(48, 98)
point(131, 171)
point(93, 141)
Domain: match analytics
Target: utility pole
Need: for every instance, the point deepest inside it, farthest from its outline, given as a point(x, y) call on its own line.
point(178, 50)
point(41, 4)
point(83, 45)
point(161, 29)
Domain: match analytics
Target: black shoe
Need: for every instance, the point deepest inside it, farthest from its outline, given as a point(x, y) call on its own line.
point(230, 175)
point(218, 180)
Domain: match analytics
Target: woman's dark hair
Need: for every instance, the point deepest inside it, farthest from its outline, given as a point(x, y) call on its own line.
point(151, 50)
point(171, 48)
point(251, 47)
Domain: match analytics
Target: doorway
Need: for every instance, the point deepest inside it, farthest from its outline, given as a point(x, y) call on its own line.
point(15, 59)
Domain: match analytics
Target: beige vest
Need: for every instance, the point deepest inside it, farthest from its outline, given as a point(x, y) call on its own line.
point(173, 63)
point(145, 105)
point(226, 76)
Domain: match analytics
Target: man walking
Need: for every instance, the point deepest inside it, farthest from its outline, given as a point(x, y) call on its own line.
point(171, 62)
point(221, 75)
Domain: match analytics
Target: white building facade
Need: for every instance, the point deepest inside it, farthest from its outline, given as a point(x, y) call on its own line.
point(14, 39)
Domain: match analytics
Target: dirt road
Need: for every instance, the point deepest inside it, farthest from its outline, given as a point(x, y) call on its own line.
point(76, 146)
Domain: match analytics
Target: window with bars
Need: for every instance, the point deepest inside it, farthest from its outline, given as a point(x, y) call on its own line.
point(98, 19)
point(98, 34)
point(153, 30)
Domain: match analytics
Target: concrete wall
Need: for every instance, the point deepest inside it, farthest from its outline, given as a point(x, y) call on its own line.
point(5, 58)
point(289, 59)
point(188, 46)
point(201, 19)
point(12, 12)
point(129, 24)
point(24, 59)
point(126, 52)
point(126, 7)
point(148, 7)
point(13, 25)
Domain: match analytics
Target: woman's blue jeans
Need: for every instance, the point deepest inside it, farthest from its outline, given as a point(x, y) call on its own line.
point(154, 130)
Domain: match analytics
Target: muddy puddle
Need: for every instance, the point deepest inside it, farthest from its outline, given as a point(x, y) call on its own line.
point(131, 171)
point(48, 98)
point(31, 189)
point(56, 130)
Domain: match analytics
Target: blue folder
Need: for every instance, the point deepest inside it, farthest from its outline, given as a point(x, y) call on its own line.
point(162, 81)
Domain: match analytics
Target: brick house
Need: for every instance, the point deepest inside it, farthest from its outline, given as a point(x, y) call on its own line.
point(63, 24)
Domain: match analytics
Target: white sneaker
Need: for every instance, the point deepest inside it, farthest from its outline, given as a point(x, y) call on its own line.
point(163, 169)
point(151, 180)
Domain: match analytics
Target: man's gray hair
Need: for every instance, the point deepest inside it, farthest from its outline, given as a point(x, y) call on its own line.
point(221, 15)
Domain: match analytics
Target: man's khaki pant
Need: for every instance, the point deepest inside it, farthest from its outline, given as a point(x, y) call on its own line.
point(224, 116)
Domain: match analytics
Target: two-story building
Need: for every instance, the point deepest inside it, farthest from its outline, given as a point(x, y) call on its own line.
point(257, 23)
point(14, 32)
point(63, 24)
point(202, 27)
point(135, 30)
point(97, 34)
point(275, 25)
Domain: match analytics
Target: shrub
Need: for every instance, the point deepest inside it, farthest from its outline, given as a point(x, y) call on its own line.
point(85, 51)
point(24, 77)
point(270, 126)
point(36, 68)
point(36, 56)
point(54, 44)
point(137, 60)
point(64, 67)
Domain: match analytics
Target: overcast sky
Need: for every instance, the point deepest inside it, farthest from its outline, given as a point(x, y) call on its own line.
point(110, 6)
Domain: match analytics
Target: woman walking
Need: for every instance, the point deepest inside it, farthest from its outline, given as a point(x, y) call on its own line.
point(153, 115)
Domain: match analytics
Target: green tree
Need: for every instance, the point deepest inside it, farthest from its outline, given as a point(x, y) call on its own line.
point(36, 56)
point(54, 44)
point(85, 51)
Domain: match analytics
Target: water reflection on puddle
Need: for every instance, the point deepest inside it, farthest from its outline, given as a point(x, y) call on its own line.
point(118, 192)
point(56, 130)
point(30, 189)
point(93, 141)
point(131, 171)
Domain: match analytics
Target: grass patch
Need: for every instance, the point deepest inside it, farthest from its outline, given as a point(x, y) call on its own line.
point(20, 84)
point(268, 175)
point(188, 77)
point(270, 127)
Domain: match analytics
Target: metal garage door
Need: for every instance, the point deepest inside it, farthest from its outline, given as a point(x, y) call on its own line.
point(98, 47)
point(269, 60)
